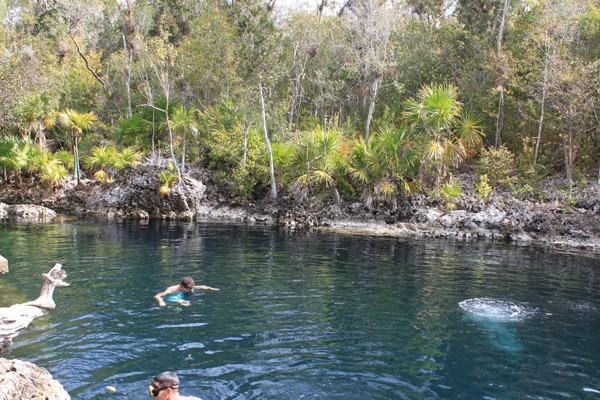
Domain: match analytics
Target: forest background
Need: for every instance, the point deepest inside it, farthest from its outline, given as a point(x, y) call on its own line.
point(361, 100)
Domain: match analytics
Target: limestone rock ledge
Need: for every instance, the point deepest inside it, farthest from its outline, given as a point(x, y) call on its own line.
point(26, 212)
point(24, 380)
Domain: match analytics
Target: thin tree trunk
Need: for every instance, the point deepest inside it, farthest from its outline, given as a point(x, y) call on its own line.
point(371, 107)
point(76, 157)
point(542, 105)
point(183, 156)
point(267, 141)
point(128, 61)
point(567, 140)
point(245, 158)
point(500, 117)
point(297, 90)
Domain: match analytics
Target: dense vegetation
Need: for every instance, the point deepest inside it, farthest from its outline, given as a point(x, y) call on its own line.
point(363, 99)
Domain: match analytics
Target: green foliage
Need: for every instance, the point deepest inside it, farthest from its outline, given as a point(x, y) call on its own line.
point(15, 154)
point(312, 163)
point(446, 134)
point(103, 158)
point(210, 56)
point(384, 166)
point(498, 164)
point(589, 28)
point(527, 191)
point(136, 131)
point(168, 179)
point(76, 122)
point(483, 187)
point(451, 192)
point(50, 168)
point(66, 158)
point(128, 157)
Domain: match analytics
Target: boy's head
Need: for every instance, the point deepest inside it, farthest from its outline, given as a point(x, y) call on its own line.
point(187, 283)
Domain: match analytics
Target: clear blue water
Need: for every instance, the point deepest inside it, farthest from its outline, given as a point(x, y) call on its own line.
point(305, 315)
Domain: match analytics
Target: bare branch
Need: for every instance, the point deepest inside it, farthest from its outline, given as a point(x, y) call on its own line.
point(87, 64)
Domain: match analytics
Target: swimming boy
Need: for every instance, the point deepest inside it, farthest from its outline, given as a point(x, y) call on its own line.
point(186, 286)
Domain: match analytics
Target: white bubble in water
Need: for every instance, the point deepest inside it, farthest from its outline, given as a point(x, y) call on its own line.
point(495, 309)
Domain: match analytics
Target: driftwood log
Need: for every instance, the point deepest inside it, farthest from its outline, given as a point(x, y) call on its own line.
point(19, 316)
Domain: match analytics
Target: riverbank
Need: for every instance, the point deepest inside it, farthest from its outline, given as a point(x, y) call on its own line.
point(544, 216)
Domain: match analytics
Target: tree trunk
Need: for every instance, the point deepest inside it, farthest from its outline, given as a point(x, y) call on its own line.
point(542, 104)
point(263, 110)
point(372, 106)
point(128, 62)
point(500, 117)
point(567, 139)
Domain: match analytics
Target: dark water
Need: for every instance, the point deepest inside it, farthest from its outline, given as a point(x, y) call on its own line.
point(305, 315)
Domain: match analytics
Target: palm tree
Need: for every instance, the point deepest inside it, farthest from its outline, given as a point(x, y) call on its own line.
point(184, 121)
point(101, 157)
point(76, 122)
point(15, 155)
point(384, 165)
point(313, 161)
point(446, 133)
point(37, 113)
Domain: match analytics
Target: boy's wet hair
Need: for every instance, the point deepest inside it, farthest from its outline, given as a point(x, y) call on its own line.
point(187, 283)
point(167, 379)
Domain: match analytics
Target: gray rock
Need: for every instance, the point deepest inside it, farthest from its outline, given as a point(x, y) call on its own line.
point(24, 380)
point(26, 212)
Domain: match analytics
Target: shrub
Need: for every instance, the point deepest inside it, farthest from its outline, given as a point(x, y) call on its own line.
point(499, 166)
point(450, 192)
point(483, 187)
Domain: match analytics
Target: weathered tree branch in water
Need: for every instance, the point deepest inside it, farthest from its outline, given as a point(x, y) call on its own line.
point(19, 316)
point(87, 64)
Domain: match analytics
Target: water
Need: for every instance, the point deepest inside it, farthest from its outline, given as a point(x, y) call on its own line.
point(305, 315)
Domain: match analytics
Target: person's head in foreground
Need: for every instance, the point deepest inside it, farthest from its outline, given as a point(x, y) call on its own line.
point(165, 386)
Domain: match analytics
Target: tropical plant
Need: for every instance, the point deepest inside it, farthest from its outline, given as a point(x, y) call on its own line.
point(76, 122)
point(168, 179)
point(483, 187)
point(451, 192)
point(313, 162)
point(50, 168)
point(384, 165)
point(14, 155)
point(445, 133)
point(105, 157)
point(129, 157)
point(183, 122)
point(498, 164)
point(38, 113)
point(101, 157)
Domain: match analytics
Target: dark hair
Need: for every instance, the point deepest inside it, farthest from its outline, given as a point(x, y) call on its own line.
point(167, 379)
point(187, 283)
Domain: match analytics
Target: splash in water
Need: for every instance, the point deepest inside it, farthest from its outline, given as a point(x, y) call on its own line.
point(495, 309)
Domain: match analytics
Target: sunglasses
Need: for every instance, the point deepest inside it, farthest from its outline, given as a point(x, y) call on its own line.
point(155, 390)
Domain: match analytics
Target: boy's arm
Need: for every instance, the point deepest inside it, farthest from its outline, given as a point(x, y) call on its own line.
point(159, 296)
point(204, 287)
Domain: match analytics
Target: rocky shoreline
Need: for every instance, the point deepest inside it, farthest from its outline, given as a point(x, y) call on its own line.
point(554, 221)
